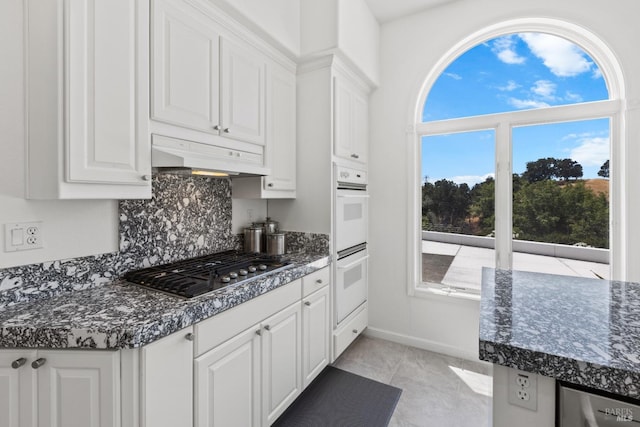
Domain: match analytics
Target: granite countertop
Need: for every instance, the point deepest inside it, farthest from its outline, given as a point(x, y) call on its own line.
point(580, 330)
point(122, 315)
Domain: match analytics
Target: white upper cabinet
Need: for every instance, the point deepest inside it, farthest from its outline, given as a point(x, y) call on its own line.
point(351, 119)
point(185, 73)
point(280, 151)
point(243, 92)
point(205, 80)
point(87, 103)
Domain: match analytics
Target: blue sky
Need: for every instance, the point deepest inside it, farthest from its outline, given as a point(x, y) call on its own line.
point(509, 73)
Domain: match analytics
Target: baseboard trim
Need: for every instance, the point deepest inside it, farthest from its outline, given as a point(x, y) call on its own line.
point(422, 343)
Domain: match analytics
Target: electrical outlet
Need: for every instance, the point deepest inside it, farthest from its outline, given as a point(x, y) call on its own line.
point(523, 389)
point(523, 381)
point(22, 236)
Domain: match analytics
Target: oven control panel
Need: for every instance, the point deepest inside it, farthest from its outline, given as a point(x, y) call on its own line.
point(350, 175)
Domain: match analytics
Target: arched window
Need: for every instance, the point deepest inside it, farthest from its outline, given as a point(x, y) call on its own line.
point(515, 132)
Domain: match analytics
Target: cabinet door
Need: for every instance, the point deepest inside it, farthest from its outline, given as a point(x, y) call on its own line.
point(79, 389)
point(227, 383)
point(106, 91)
point(315, 334)
point(185, 73)
point(350, 121)
point(281, 354)
point(281, 121)
point(167, 381)
point(243, 92)
point(17, 389)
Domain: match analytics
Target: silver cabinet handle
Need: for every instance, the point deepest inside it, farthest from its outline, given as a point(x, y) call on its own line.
point(38, 363)
point(189, 336)
point(18, 362)
point(146, 177)
point(216, 127)
point(226, 130)
point(319, 281)
point(267, 327)
point(258, 332)
point(307, 303)
point(355, 156)
point(355, 331)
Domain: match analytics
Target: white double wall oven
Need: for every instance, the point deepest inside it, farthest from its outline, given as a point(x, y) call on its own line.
point(351, 223)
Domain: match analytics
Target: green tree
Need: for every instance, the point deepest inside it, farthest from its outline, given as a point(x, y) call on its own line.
point(604, 170)
point(483, 197)
point(567, 168)
point(540, 170)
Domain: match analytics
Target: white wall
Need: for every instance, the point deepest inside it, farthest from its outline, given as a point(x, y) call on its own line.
point(359, 36)
point(70, 228)
point(278, 19)
point(410, 47)
point(344, 26)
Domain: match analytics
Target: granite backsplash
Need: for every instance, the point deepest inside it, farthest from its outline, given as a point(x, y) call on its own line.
point(186, 216)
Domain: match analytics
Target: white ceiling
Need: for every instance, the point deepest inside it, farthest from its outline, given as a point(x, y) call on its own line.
point(388, 10)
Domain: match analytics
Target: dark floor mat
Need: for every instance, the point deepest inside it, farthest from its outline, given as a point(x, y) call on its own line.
point(434, 267)
point(337, 398)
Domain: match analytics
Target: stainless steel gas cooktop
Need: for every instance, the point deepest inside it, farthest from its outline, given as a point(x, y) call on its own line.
point(198, 276)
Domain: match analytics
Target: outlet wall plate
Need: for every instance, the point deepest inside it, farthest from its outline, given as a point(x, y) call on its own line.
point(22, 236)
point(523, 389)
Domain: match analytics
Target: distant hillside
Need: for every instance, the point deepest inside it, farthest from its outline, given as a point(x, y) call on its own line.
point(598, 185)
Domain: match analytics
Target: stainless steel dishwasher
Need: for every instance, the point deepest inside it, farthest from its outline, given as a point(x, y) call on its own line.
point(578, 406)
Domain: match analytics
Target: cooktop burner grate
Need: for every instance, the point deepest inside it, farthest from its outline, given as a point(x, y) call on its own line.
point(197, 276)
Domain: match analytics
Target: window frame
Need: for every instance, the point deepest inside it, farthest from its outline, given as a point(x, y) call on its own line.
point(502, 124)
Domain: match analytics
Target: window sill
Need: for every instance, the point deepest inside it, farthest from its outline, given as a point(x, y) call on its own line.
point(424, 290)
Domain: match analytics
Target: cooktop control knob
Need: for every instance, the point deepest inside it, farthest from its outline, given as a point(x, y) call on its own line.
point(262, 267)
point(243, 272)
point(225, 279)
point(233, 275)
point(252, 269)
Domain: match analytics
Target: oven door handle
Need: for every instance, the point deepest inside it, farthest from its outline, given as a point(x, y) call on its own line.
point(358, 261)
point(353, 196)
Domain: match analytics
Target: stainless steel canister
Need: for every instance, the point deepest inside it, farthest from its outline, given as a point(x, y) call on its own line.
point(275, 243)
point(252, 239)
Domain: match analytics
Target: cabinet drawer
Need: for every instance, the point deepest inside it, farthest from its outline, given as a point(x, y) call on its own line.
point(219, 328)
point(350, 330)
point(315, 281)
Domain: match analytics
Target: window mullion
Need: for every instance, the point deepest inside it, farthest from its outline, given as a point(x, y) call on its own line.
point(503, 197)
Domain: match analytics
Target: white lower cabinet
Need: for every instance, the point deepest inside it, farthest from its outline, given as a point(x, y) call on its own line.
point(243, 367)
point(59, 388)
point(281, 370)
point(315, 334)
point(227, 381)
point(166, 381)
point(252, 378)
point(18, 387)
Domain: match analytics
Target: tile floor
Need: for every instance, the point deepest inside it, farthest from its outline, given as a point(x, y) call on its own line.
point(437, 390)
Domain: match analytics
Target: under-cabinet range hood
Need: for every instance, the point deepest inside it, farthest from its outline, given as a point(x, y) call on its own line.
point(172, 154)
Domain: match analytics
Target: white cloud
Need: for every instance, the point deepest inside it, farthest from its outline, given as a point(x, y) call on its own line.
point(510, 86)
point(563, 58)
point(504, 48)
point(471, 180)
point(597, 73)
point(592, 151)
point(544, 89)
point(573, 97)
point(526, 103)
point(454, 76)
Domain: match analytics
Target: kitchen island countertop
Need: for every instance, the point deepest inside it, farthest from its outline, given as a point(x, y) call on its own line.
point(123, 315)
point(584, 331)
